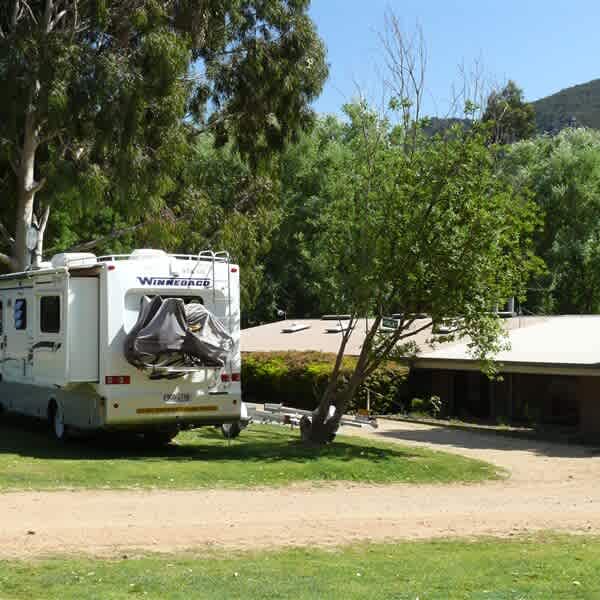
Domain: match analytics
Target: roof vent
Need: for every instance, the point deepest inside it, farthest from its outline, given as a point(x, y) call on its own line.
point(294, 327)
point(147, 253)
point(73, 259)
point(339, 328)
point(336, 317)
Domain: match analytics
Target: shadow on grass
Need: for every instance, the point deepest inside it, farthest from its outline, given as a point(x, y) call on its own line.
point(30, 438)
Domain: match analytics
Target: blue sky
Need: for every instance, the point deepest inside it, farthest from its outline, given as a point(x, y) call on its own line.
point(544, 45)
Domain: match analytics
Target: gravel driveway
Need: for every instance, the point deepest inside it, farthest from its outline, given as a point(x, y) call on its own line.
point(550, 487)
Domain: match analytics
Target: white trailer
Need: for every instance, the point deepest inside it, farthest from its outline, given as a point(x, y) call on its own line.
point(63, 329)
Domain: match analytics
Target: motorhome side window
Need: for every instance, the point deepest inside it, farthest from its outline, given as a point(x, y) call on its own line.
point(20, 314)
point(50, 314)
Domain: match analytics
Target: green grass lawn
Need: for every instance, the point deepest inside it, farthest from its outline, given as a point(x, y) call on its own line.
point(540, 568)
point(262, 455)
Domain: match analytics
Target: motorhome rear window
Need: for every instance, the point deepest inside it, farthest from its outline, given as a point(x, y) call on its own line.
point(20, 314)
point(50, 314)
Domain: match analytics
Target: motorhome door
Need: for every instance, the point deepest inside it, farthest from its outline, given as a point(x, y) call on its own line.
point(49, 350)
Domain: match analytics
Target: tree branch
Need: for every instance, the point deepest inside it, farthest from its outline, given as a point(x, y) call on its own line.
point(7, 260)
point(38, 185)
point(31, 13)
point(7, 237)
point(395, 339)
point(48, 16)
point(15, 15)
point(91, 244)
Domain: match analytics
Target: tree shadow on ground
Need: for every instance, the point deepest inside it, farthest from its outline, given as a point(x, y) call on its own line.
point(449, 437)
point(29, 438)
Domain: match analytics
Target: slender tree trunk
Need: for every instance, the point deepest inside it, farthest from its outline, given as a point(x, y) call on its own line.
point(39, 247)
point(322, 427)
point(27, 188)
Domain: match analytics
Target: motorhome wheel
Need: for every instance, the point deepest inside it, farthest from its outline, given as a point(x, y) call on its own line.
point(57, 421)
point(159, 438)
point(231, 430)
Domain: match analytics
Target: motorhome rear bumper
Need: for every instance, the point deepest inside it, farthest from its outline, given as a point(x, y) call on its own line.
point(207, 409)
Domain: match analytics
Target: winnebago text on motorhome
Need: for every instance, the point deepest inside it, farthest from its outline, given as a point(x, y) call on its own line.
point(147, 342)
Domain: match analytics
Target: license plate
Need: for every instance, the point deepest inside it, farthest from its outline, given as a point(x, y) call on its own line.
point(177, 398)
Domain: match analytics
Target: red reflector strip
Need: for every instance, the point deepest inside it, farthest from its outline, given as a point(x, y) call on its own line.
point(236, 377)
point(225, 377)
point(117, 379)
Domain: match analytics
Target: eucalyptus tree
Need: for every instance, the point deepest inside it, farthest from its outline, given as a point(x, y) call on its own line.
point(98, 99)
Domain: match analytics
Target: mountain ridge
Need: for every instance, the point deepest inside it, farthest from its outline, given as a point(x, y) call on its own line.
point(576, 105)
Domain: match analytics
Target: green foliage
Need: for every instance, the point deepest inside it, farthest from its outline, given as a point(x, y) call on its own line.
point(512, 118)
point(432, 230)
point(563, 175)
point(432, 406)
point(220, 202)
point(304, 172)
point(113, 93)
point(298, 379)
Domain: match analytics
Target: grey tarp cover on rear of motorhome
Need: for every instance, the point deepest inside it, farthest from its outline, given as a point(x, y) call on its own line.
point(169, 333)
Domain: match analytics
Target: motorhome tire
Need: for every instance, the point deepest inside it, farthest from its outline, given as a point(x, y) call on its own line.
point(159, 438)
point(231, 430)
point(56, 418)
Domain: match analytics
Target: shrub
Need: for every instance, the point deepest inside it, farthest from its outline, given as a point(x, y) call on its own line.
point(298, 379)
point(418, 405)
point(432, 406)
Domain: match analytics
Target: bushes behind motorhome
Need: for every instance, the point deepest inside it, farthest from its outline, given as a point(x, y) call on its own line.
point(298, 379)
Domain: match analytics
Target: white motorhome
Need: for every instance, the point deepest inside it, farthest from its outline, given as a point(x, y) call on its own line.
point(63, 328)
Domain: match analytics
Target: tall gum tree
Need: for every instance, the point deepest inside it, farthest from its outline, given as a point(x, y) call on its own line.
point(103, 97)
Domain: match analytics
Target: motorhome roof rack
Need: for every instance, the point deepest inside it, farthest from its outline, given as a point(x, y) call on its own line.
point(204, 255)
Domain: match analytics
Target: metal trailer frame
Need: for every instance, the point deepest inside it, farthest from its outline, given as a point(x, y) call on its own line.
point(284, 415)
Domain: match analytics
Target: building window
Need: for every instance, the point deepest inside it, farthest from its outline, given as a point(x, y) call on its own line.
point(50, 314)
point(20, 313)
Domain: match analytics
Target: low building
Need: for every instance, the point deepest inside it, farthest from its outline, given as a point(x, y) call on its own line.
point(550, 374)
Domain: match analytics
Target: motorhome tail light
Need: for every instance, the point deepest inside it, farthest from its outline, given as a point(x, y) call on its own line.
point(236, 377)
point(117, 380)
point(111, 267)
point(234, 269)
point(225, 377)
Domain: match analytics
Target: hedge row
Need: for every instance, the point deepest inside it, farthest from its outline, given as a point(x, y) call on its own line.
point(298, 379)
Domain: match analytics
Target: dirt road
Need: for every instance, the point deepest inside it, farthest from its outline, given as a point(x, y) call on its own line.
point(551, 486)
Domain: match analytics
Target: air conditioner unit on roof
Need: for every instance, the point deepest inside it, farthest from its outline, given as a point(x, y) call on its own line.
point(73, 259)
point(146, 253)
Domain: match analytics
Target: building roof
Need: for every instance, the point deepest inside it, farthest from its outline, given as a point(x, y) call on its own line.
point(568, 344)
point(270, 337)
point(559, 344)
